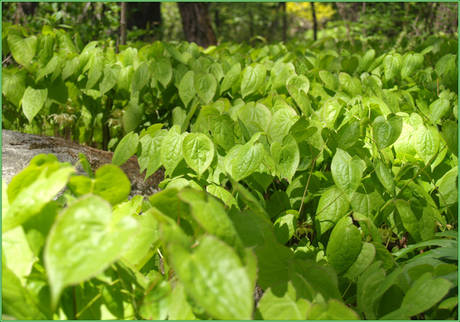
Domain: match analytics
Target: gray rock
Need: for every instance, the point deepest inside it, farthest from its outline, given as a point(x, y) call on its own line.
point(19, 148)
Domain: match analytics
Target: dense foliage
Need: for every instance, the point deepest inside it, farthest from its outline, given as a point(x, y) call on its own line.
point(323, 172)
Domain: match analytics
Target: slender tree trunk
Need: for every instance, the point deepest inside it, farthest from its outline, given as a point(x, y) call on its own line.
point(217, 19)
point(19, 15)
point(283, 7)
point(315, 22)
point(197, 23)
point(251, 23)
point(431, 17)
point(123, 24)
point(84, 13)
point(275, 22)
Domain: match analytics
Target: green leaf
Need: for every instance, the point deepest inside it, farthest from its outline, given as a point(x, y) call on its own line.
point(150, 157)
point(96, 68)
point(221, 127)
point(411, 64)
point(408, 218)
point(285, 227)
point(332, 206)
point(330, 111)
point(205, 86)
point(391, 66)
point(141, 77)
point(385, 176)
point(216, 70)
point(348, 135)
point(286, 156)
point(156, 302)
point(70, 67)
point(287, 306)
point(438, 109)
point(187, 87)
point(450, 135)
point(125, 78)
point(179, 308)
point(280, 74)
point(426, 142)
point(214, 276)
point(18, 255)
point(368, 283)
point(171, 149)
point(386, 132)
point(46, 47)
point(147, 236)
point(111, 183)
point(281, 122)
point(84, 240)
point(347, 171)
point(33, 101)
point(126, 148)
point(298, 87)
point(332, 310)
point(365, 258)
point(113, 299)
point(350, 84)
point(223, 194)
point(211, 215)
point(198, 151)
point(349, 63)
point(111, 74)
point(22, 49)
point(162, 71)
point(133, 114)
point(50, 68)
point(35, 192)
point(243, 160)
point(366, 60)
point(13, 84)
point(366, 202)
point(18, 301)
point(447, 188)
point(230, 78)
point(422, 295)
point(344, 245)
point(253, 79)
point(330, 80)
point(255, 117)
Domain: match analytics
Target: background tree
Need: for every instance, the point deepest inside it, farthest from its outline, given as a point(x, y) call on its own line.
point(197, 23)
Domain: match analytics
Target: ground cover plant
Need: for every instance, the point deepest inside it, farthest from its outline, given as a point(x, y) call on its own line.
point(323, 175)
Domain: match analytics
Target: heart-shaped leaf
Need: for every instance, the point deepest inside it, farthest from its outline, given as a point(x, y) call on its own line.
point(33, 101)
point(126, 148)
point(205, 86)
point(347, 171)
point(344, 245)
point(198, 151)
point(84, 240)
point(386, 132)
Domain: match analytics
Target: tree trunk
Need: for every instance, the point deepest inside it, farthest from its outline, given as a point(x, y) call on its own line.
point(19, 14)
point(197, 23)
point(123, 24)
point(144, 15)
point(217, 19)
point(283, 6)
point(315, 22)
point(251, 24)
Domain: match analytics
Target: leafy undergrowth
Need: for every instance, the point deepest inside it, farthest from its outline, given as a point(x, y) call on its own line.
point(326, 176)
